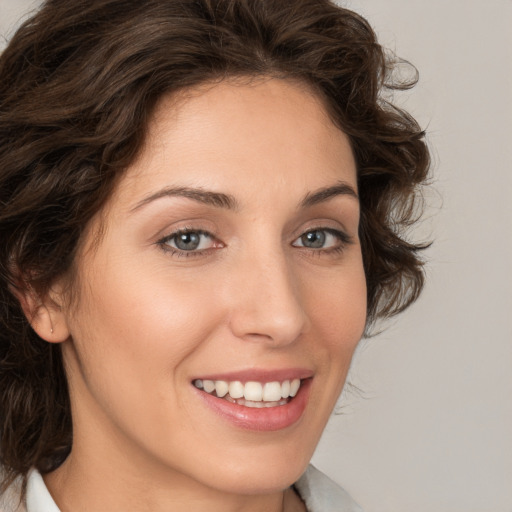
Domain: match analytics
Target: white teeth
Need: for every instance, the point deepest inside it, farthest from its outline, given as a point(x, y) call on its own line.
point(261, 405)
point(221, 388)
point(294, 387)
point(236, 389)
point(268, 394)
point(253, 391)
point(285, 389)
point(208, 385)
point(272, 392)
point(256, 405)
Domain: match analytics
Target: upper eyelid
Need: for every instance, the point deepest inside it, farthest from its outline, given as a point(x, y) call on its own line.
point(327, 220)
point(189, 230)
point(167, 234)
point(336, 231)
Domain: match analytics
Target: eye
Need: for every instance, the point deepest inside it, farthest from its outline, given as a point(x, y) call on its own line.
point(322, 239)
point(188, 241)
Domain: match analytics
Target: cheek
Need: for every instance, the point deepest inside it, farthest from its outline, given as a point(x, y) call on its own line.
point(138, 326)
point(337, 304)
point(337, 311)
point(132, 341)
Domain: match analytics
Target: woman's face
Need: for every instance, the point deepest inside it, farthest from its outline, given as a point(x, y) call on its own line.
point(230, 255)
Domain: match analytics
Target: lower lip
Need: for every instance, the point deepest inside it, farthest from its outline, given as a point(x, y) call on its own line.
point(261, 419)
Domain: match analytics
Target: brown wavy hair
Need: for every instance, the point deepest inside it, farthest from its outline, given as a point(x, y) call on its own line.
point(78, 84)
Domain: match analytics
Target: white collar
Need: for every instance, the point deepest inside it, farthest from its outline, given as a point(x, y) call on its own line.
point(39, 498)
point(321, 494)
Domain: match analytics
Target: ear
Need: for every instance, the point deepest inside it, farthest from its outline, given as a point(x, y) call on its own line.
point(45, 315)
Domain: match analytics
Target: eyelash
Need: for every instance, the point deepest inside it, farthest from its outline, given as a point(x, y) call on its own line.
point(164, 243)
point(342, 237)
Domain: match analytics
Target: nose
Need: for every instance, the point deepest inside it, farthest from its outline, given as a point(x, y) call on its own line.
point(266, 303)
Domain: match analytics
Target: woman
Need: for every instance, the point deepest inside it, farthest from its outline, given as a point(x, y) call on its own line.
point(202, 210)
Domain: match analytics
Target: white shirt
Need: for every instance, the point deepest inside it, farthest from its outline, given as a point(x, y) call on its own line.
point(319, 493)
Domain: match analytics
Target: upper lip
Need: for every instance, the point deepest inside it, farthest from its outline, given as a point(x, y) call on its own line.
point(259, 375)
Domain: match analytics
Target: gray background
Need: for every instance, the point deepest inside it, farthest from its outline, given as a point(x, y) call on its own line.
point(431, 430)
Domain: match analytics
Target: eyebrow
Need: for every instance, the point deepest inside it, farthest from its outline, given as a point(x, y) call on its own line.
point(217, 199)
point(227, 201)
point(324, 194)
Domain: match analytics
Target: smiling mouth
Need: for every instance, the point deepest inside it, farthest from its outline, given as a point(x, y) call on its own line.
point(251, 394)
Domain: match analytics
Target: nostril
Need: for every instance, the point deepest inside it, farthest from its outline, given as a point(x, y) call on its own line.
point(258, 336)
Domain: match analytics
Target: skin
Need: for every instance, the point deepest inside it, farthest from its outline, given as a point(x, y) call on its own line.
point(146, 320)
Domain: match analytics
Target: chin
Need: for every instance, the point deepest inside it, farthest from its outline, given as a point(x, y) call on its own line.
point(272, 476)
point(267, 464)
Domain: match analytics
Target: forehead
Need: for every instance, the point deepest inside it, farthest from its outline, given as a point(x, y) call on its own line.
point(257, 136)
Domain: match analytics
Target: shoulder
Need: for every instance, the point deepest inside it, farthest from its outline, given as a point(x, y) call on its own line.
point(321, 494)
